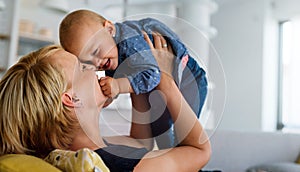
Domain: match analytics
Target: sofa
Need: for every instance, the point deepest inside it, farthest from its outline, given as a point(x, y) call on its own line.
point(82, 160)
point(24, 163)
point(232, 151)
point(240, 151)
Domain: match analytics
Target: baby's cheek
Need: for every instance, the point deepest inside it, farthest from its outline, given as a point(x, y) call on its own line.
point(115, 64)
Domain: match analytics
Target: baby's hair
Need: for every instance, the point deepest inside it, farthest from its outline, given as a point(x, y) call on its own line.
point(75, 19)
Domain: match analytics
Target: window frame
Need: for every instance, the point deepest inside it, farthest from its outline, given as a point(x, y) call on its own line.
point(280, 116)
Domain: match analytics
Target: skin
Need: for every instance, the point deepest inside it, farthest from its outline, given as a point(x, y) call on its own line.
point(194, 145)
point(88, 101)
point(94, 44)
point(93, 53)
point(79, 100)
point(95, 47)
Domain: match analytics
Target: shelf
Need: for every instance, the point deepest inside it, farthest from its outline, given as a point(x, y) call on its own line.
point(29, 42)
point(2, 69)
point(4, 37)
point(34, 38)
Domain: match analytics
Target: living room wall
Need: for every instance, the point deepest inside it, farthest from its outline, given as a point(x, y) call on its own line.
point(247, 43)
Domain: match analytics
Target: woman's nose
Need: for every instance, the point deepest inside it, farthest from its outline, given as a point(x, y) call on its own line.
point(97, 62)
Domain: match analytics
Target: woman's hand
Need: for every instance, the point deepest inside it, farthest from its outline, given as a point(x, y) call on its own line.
point(162, 52)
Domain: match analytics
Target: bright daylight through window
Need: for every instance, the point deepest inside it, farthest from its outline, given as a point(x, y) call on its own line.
point(289, 109)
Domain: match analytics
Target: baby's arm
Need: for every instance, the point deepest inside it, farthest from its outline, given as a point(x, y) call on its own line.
point(111, 87)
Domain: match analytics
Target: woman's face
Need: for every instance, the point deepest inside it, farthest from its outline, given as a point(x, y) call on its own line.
point(83, 83)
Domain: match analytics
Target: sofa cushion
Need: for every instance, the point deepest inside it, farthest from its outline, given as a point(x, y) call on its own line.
point(276, 167)
point(24, 163)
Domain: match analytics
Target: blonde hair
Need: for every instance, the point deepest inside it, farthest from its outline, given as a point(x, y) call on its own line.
point(72, 21)
point(33, 119)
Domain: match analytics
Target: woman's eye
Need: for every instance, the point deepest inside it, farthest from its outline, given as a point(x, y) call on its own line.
point(95, 52)
point(85, 67)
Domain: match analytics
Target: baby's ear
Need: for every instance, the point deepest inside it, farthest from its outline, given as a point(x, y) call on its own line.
point(110, 27)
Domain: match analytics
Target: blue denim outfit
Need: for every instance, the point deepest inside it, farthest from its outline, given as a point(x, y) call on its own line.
point(137, 63)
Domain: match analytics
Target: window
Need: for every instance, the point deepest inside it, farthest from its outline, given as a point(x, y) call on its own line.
point(289, 76)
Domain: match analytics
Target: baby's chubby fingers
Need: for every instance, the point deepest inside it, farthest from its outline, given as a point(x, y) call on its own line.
point(109, 86)
point(106, 91)
point(104, 81)
point(105, 86)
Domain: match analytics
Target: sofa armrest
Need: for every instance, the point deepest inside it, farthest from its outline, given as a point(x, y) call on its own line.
point(239, 150)
point(20, 162)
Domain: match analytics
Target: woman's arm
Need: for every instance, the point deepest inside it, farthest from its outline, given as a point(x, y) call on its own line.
point(140, 131)
point(140, 125)
point(178, 159)
point(188, 129)
point(194, 150)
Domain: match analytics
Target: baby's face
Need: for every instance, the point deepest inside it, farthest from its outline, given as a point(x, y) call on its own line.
point(95, 46)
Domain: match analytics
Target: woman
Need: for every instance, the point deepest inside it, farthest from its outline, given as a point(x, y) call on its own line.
point(46, 103)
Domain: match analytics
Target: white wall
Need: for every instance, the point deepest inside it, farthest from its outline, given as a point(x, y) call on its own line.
point(45, 17)
point(286, 9)
point(240, 25)
point(195, 30)
point(245, 43)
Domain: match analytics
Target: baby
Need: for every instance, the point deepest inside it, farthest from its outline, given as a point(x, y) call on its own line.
point(121, 50)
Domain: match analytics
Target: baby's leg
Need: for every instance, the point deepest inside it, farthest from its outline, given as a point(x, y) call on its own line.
point(162, 128)
point(193, 85)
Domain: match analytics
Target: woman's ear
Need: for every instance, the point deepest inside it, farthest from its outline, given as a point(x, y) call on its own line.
point(67, 100)
point(110, 27)
point(71, 101)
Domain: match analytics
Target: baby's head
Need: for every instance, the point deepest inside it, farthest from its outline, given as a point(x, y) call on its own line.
point(89, 36)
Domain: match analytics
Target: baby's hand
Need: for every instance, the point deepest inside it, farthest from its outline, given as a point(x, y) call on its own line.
point(109, 86)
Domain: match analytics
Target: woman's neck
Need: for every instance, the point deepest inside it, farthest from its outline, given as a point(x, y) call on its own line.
point(81, 140)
